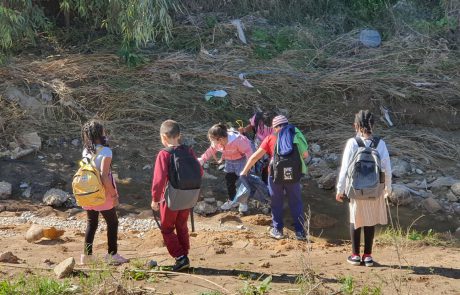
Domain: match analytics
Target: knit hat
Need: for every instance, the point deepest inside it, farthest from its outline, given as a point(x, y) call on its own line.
point(279, 120)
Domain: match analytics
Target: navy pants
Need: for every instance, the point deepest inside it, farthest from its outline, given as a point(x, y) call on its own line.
point(292, 192)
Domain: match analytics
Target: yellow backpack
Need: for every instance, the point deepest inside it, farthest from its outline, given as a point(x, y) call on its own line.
point(87, 185)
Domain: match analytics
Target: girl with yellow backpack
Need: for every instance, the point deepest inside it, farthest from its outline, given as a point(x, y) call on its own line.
point(95, 190)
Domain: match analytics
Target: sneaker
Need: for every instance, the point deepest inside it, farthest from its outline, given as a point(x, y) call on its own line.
point(228, 205)
point(368, 261)
point(354, 259)
point(300, 236)
point(86, 259)
point(276, 234)
point(181, 263)
point(115, 259)
point(243, 208)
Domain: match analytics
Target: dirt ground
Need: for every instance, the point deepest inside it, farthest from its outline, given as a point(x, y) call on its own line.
point(229, 258)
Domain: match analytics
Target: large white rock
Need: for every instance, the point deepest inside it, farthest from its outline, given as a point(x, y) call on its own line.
point(55, 197)
point(5, 190)
point(400, 167)
point(65, 268)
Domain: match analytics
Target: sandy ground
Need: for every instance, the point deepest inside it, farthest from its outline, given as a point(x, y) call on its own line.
point(227, 250)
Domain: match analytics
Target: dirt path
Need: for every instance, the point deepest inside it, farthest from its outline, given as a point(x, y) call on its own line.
point(229, 251)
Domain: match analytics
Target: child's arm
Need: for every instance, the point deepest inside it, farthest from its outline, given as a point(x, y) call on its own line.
point(160, 176)
point(210, 152)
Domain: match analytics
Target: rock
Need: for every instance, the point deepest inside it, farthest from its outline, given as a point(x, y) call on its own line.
point(456, 208)
point(65, 268)
point(147, 167)
point(319, 167)
point(210, 200)
point(23, 185)
point(24, 100)
point(400, 167)
point(31, 140)
point(27, 193)
point(9, 257)
point(431, 205)
point(445, 181)
point(455, 188)
point(457, 233)
point(451, 197)
point(5, 190)
point(73, 289)
point(322, 221)
point(55, 197)
point(327, 181)
point(34, 233)
point(315, 149)
point(204, 208)
point(332, 158)
point(418, 171)
point(19, 153)
point(400, 195)
point(75, 142)
point(52, 233)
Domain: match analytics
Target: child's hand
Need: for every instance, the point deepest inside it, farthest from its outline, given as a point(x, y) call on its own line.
point(155, 206)
point(339, 197)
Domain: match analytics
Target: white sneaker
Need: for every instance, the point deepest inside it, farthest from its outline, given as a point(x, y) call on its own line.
point(86, 259)
point(116, 259)
point(228, 205)
point(243, 208)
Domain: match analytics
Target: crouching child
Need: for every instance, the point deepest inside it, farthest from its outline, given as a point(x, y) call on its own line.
point(175, 190)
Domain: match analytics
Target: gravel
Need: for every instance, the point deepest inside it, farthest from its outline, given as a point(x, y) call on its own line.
point(125, 224)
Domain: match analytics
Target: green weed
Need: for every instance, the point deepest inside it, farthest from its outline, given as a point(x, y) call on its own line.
point(34, 285)
point(250, 288)
point(347, 285)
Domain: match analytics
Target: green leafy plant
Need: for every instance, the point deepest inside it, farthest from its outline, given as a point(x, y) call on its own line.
point(347, 285)
point(252, 289)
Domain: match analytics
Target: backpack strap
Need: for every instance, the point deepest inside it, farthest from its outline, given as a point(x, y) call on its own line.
point(359, 141)
point(375, 142)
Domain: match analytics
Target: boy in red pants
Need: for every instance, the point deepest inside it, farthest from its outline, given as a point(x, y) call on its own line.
point(177, 243)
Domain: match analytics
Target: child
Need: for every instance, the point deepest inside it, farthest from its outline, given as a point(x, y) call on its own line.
point(278, 190)
point(235, 149)
point(95, 146)
point(178, 244)
point(364, 212)
point(260, 124)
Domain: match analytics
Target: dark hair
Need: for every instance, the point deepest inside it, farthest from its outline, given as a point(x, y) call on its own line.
point(364, 119)
point(91, 132)
point(170, 128)
point(263, 117)
point(218, 131)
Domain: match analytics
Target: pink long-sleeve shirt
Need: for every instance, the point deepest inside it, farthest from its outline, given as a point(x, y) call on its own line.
point(237, 147)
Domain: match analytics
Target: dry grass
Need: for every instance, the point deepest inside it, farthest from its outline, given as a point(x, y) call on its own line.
point(319, 91)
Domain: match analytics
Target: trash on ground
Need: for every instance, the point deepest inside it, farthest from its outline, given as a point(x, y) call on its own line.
point(370, 38)
point(216, 93)
point(239, 27)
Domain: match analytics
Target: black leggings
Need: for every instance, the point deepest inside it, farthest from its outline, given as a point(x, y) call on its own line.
point(356, 238)
point(230, 179)
point(111, 219)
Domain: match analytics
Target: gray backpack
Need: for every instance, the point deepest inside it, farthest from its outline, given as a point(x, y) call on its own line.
point(365, 179)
